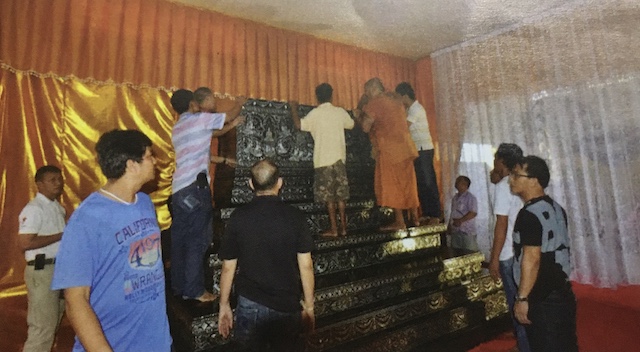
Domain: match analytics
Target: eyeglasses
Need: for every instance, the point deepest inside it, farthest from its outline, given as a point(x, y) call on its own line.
point(516, 176)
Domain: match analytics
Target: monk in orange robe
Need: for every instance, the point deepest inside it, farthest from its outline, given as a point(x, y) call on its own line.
point(383, 117)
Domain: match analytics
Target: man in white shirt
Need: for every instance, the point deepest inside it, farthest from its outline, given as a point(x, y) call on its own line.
point(506, 206)
point(41, 224)
point(327, 123)
point(425, 173)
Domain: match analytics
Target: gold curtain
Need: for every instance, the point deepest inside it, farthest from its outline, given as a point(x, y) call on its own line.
point(71, 70)
point(57, 120)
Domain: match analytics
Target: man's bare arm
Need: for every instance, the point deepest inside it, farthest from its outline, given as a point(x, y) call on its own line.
point(294, 113)
point(468, 216)
point(529, 274)
point(363, 120)
point(33, 241)
point(228, 126)
point(233, 113)
point(84, 320)
point(499, 237)
point(225, 314)
point(305, 265)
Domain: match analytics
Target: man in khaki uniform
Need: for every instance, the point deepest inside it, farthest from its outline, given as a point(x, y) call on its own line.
point(41, 226)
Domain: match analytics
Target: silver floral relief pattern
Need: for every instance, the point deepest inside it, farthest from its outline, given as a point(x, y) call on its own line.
point(397, 288)
point(269, 132)
point(375, 253)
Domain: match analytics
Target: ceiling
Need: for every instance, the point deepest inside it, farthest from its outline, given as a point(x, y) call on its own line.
point(406, 28)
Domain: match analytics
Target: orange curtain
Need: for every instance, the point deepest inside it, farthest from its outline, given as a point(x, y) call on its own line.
point(71, 70)
point(163, 44)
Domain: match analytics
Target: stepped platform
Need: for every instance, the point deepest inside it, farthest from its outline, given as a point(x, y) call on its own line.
point(376, 287)
point(375, 291)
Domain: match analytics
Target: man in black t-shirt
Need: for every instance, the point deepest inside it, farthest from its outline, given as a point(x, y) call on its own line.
point(270, 244)
point(545, 302)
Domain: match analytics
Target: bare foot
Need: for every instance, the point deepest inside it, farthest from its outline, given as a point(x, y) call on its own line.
point(433, 221)
point(424, 219)
point(329, 234)
point(343, 233)
point(393, 227)
point(207, 297)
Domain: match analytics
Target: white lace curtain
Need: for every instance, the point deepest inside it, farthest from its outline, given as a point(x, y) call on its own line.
point(566, 87)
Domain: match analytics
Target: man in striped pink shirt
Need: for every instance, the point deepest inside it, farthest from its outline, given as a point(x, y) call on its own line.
point(192, 212)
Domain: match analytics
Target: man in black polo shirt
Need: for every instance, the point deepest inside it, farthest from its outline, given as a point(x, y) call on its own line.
point(545, 302)
point(271, 245)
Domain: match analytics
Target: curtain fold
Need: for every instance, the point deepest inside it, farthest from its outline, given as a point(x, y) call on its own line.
point(54, 120)
point(30, 124)
point(163, 44)
point(564, 86)
point(72, 70)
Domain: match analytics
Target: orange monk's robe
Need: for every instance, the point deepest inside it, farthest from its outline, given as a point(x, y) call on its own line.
point(394, 151)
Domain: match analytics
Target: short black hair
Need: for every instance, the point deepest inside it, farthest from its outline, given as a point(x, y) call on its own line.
point(180, 100)
point(264, 175)
point(465, 179)
point(405, 88)
point(324, 92)
point(200, 94)
point(47, 169)
point(116, 147)
point(510, 154)
point(536, 168)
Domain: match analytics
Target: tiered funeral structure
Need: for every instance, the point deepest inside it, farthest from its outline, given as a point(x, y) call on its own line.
point(398, 291)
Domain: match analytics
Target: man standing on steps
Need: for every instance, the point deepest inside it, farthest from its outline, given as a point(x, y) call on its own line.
point(425, 173)
point(270, 243)
point(192, 210)
point(545, 302)
point(506, 206)
point(383, 117)
point(327, 123)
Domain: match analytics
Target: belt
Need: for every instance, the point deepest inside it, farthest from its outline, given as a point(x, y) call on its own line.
point(46, 261)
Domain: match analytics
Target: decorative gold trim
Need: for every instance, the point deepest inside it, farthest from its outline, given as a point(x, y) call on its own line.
point(91, 80)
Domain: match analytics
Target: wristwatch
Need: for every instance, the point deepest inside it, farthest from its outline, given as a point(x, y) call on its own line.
point(522, 298)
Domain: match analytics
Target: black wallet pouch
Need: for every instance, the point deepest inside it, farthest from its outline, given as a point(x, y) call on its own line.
point(201, 180)
point(39, 262)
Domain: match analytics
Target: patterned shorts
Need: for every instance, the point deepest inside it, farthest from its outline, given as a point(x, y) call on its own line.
point(330, 183)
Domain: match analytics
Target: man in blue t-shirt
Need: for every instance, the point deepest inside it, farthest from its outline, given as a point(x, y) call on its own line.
point(110, 259)
point(545, 302)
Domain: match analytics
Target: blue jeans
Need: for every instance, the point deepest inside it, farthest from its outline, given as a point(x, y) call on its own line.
point(511, 290)
point(260, 328)
point(427, 185)
point(553, 322)
point(191, 235)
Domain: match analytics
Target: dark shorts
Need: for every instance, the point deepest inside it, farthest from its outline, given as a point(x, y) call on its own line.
point(330, 183)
